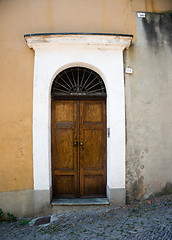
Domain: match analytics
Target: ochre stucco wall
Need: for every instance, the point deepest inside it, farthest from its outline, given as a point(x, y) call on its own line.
point(18, 17)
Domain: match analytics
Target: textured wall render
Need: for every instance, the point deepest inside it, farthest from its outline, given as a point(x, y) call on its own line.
point(148, 108)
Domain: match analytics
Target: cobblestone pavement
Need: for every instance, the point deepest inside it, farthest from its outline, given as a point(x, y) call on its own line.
point(150, 219)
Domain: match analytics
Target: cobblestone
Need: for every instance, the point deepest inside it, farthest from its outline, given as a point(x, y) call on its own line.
point(143, 220)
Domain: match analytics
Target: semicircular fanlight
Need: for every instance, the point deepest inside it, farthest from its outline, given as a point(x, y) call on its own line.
point(78, 81)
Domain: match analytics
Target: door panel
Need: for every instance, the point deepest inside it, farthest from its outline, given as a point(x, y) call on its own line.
point(93, 185)
point(64, 154)
point(64, 112)
point(64, 149)
point(79, 148)
point(64, 185)
point(92, 112)
point(93, 150)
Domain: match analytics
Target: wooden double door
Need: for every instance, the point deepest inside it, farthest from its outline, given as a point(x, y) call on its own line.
point(79, 148)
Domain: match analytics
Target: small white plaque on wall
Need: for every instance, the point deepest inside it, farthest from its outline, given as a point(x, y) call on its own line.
point(141, 15)
point(128, 70)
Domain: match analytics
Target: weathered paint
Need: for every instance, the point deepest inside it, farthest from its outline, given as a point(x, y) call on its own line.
point(148, 104)
point(167, 189)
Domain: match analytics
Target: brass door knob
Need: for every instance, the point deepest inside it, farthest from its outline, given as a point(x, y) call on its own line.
point(81, 144)
point(75, 144)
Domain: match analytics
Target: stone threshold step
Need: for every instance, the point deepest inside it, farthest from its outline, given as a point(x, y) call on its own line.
point(80, 201)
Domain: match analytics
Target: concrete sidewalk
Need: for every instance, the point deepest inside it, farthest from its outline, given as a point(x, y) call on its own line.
point(149, 219)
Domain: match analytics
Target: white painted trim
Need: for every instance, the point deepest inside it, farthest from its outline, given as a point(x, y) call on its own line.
point(52, 59)
point(104, 41)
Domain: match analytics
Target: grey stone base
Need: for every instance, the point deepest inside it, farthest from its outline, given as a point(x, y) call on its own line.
point(116, 196)
point(26, 203)
point(80, 201)
point(19, 203)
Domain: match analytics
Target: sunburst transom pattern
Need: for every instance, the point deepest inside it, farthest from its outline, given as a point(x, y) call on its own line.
point(78, 81)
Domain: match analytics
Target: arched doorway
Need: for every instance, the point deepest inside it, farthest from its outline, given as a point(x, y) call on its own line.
point(104, 54)
point(78, 134)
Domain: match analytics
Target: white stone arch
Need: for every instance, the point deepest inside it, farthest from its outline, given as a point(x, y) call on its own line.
point(104, 55)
